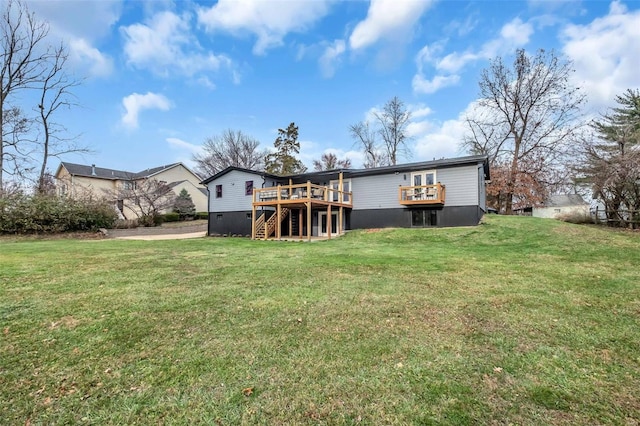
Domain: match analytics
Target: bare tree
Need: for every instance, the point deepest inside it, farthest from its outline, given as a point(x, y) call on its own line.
point(525, 120)
point(55, 94)
point(329, 161)
point(231, 148)
point(17, 147)
point(611, 159)
point(365, 138)
point(391, 125)
point(146, 198)
point(393, 120)
point(23, 56)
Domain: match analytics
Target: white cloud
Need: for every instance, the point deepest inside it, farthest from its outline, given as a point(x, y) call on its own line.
point(387, 19)
point(80, 25)
point(135, 103)
point(89, 20)
point(440, 140)
point(165, 45)
point(81, 53)
point(179, 144)
point(418, 111)
point(422, 85)
point(513, 34)
point(269, 21)
point(331, 57)
point(605, 54)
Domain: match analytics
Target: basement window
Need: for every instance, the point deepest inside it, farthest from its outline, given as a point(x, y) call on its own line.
point(219, 217)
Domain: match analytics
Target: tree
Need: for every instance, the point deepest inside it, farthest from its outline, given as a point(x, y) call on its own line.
point(366, 138)
point(231, 148)
point(21, 40)
point(329, 161)
point(16, 145)
point(283, 161)
point(146, 199)
point(392, 123)
point(183, 205)
point(28, 63)
point(526, 118)
point(55, 94)
point(611, 158)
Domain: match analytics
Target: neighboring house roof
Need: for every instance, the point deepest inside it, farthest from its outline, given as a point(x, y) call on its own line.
point(564, 200)
point(445, 162)
point(113, 174)
point(174, 184)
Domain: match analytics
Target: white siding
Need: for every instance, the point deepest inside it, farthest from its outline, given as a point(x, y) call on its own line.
point(461, 185)
point(381, 191)
point(556, 212)
point(233, 191)
point(378, 192)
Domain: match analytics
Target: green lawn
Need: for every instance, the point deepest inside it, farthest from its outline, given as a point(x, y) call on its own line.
point(516, 321)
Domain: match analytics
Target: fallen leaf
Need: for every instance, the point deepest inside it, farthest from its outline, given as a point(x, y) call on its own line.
point(247, 391)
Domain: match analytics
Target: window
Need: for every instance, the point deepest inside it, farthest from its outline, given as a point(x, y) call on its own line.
point(424, 178)
point(219, 217)
point(218, 191)
point(248, 187)
point(335, 186)
point(63, 190)
point(130, 185)
point(419, 179)
point(424, 218)
point(249, 216)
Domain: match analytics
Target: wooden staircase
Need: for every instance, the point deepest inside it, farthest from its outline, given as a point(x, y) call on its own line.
point(265, 230)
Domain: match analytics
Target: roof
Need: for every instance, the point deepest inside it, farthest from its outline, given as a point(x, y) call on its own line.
point(112, 174)
point(444, 162)
point(240, 169)
point(564, 200)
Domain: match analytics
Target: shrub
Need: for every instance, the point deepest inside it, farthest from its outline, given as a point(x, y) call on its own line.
point(575, 217)
point(171, 217)
point(183, 205)
point(202, 215)
point(25, 214)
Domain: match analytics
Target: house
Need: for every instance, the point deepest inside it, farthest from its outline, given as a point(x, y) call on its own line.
point(446, 192)
point(76, 180)
point(562, 205)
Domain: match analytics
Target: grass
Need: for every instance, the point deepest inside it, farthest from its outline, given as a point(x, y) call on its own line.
point(516, 321)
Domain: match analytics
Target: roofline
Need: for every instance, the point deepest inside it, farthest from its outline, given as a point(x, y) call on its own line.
point(239, 169)
point(443, 162)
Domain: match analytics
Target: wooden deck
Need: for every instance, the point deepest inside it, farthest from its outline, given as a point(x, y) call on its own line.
point(303, 199)
point(421, 195)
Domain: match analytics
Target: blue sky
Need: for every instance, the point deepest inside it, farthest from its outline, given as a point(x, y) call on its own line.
point(162, 76)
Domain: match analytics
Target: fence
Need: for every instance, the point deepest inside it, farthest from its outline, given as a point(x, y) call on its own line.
point(623, 218)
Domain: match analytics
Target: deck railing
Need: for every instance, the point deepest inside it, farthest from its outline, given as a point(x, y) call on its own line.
point(422, 194)
point(301, 193)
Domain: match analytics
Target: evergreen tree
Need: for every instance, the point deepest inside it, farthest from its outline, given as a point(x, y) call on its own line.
point(183, 205)
point(612, 158)
point(284, 162)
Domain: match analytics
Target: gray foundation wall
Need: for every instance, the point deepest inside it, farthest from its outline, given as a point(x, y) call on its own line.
point(230, 223)
point(401, 218)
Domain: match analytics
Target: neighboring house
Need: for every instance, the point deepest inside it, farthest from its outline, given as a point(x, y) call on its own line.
point(447, 192)
point(558, 206)
point(562, 205)
point(77, 180)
